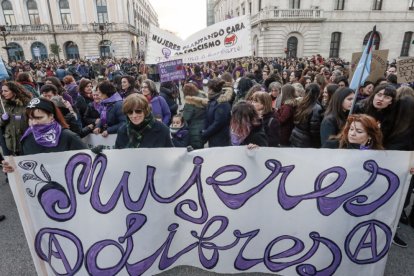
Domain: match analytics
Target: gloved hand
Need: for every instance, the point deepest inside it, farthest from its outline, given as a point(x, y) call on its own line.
point(5, 117)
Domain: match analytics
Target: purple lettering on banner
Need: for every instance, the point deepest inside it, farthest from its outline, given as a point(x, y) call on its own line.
point(149, 186)
point(242, 263)
point(328, 205)
point(235, 201)
point(370, 235)
point(53, 194)
point(59, 254)
point(304, 269)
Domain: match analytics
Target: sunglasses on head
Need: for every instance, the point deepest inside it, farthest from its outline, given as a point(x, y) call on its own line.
point(136, 111)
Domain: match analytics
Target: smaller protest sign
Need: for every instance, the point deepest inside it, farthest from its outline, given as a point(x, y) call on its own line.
point(378, 64)
point(93, 140)
point(405, 70)
point(171, 70)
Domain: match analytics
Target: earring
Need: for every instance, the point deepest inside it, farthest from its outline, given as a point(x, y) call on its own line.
point(369, 141)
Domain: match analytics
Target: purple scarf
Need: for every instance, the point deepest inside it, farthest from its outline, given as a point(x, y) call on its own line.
point(103, 106)
point(47, 135)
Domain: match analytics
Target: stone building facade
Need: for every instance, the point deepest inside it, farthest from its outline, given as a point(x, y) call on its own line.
point(334, 28)
point(82, 28)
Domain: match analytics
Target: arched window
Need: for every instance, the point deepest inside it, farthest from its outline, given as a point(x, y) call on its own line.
point(292, 47)
point(8, 13)
point(102, 10)
point(33, 12)
point(335, 44)
point(71, 50)
point(376, 42)
point(405, 50)
point(16, 52)
point(39, 51)
point(65, 12)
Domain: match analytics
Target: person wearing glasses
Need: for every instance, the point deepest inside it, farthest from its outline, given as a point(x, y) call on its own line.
point(158, 104)
point(141, 129)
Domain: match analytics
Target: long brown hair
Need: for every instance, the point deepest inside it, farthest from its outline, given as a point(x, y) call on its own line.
point(243, 117)
point(305, 107)
point(19, 92)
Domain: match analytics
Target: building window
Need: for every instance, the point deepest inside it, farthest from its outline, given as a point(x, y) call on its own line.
point(260, 5)
point(339, 4)
point(102, 11)
point(8, 12)
point(377, 5)
point(250, 7)
point(33, 12)
point(408, 36)
point(376, 42)
point(243, 10)
point(335, 44)
point(411, 8)
point(292, 47)
point(39, 51)
point(294, 4)
point(65, 12)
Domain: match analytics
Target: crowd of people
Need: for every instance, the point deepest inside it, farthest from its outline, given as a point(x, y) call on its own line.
point(254, 102)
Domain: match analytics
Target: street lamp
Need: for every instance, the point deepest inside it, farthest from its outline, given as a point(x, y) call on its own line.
point(101, 28)
point(4, 33)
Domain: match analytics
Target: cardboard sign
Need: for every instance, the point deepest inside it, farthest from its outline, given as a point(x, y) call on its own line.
point(405, 70)
point(378, 64)
point(171, 70)
point(227, 210)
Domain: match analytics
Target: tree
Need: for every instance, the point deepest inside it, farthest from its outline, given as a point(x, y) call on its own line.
point(55, 49)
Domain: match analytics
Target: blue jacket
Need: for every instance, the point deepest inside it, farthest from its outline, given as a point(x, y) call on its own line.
point(160, 108)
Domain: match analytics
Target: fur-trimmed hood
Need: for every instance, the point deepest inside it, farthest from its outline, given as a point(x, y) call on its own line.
point(292, 102)
point(226, 95)
point(199, 101)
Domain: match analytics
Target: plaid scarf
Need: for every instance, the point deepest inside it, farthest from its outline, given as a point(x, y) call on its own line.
point(135, 132)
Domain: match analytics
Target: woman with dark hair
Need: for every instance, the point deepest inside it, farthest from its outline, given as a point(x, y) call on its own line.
point(246, 127)
point(365, 90)
point(197, 77)
point(327, 93)
point(216, 126)
point(127, 86)
point(47, 132)
point(285, 114)
point(262, 102)
point(13, 120)
point(110, 110)
point(308, 117)
point(238, 70)
point(336, 113)
point(61, 90)
point(169, 91)
point(342, 82)
point(158, 104)
point(285, 76)
point(91, 117)
point(141, 130)
point(243, 87)
point(84, 99)
point(26, 80)
point(194, 112)
point(381, 106)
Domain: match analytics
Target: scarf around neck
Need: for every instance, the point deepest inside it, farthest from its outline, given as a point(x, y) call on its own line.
point(47, 135)
point(135, 132)
point(103, 106)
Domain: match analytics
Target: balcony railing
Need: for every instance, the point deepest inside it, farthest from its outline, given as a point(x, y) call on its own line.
point(288, 15)
point(35, 28)
point(67, 28)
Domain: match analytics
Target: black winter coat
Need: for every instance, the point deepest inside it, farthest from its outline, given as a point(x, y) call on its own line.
point(307, 134)
point(256, 136)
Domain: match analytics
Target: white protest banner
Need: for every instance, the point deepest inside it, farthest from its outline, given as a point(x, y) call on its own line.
point(224, 40)
point(228, 210)
point(405, 70)
point(93, 140)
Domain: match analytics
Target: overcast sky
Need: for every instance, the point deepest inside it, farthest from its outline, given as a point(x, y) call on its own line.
point(183, 17)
